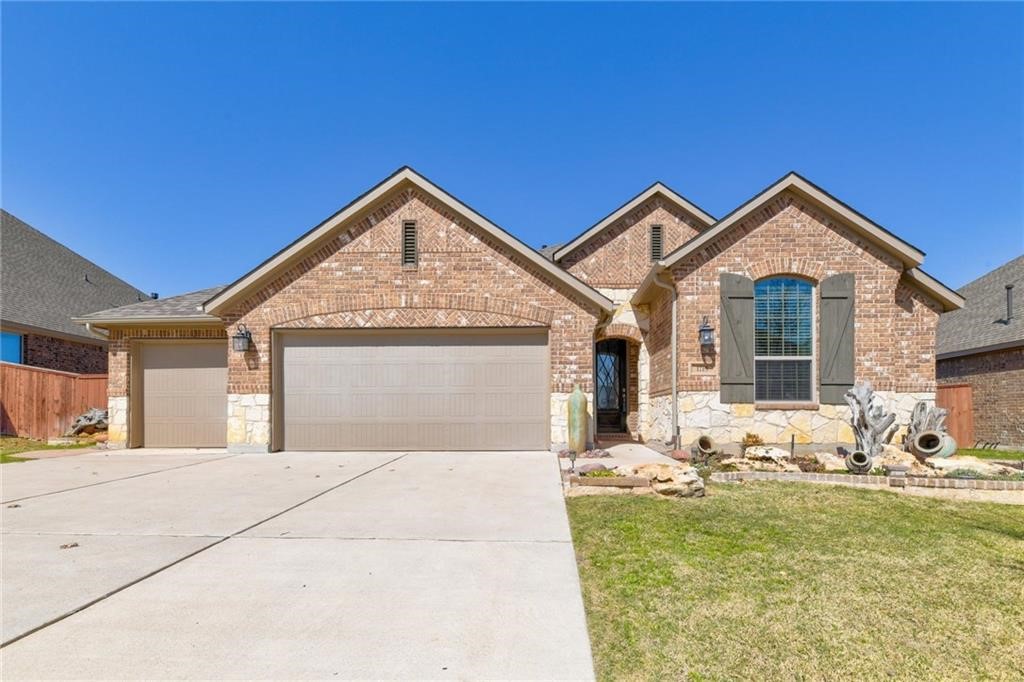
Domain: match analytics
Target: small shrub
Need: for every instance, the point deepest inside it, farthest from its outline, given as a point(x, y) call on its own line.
point(601, 473)
point(751, 439)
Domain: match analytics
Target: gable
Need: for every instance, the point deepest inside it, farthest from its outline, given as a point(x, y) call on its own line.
point(460, 266)
point(658, 190)
point(619, 256)
point(823, 209)
point(370, 208)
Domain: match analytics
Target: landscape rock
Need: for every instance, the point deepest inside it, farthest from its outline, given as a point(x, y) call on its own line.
point(744, 464)
point(766, 452)
point(589, 467)
point(830, 462)
point(663, 473)
point(947, 464)
point(694, 487)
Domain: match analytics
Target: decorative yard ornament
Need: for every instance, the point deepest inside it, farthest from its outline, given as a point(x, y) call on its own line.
point(242, 339)
point(926, 433)
point(873, 426)
point(577, 421)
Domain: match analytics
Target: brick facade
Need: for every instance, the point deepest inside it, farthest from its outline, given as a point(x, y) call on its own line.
point(64, 355)
point(120, 351)
point(997, 387)
point(620, 257)
point(464, 277)
point(895, 323)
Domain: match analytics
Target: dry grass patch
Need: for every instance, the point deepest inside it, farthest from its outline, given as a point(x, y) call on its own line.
point(795, 581)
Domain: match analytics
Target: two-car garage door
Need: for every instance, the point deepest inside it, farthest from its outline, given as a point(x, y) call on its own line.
point(414, 390)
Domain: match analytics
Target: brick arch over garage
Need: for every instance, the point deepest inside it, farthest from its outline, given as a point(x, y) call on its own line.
point(418, 305)
point(407, 318)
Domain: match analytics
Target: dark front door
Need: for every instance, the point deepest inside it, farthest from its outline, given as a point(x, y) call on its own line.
point(611, 385)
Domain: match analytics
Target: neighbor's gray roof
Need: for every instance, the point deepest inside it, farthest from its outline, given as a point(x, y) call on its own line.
point(172, 307)
point(44, 284)
point(982, 323)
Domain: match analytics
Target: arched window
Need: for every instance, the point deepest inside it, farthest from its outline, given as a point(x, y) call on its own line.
point(783, 340)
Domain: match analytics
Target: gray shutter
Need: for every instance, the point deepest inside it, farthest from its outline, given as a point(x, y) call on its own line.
point(736, 365)
point(836, 365)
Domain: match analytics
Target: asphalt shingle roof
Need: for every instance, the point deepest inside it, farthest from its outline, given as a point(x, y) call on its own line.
point(183, 305)
point(44, 283)
point(982, 321)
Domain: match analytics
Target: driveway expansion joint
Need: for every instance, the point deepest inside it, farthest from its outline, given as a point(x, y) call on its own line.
point(115, 480)
point(188, 556)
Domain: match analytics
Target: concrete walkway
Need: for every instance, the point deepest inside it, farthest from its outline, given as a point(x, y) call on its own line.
point(293, 565)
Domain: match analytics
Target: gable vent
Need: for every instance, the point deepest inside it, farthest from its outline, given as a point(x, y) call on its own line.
point(657, 243)
point(409, 255)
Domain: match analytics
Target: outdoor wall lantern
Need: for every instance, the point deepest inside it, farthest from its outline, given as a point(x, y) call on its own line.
point(242, 339)
point(706, 334)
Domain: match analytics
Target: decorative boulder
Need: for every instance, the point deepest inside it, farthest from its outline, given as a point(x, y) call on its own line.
point(589, 467)
point(830, 462)
point(669, 480)
point(893, 456)
point(744, 464)
point(767, 452)
point(980, 466)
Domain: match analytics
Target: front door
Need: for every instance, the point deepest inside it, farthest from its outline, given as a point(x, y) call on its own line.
point(611, 385)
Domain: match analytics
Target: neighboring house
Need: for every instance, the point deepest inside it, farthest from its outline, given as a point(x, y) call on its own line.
point(408, 321)
point(981, 347)
point(43, 284)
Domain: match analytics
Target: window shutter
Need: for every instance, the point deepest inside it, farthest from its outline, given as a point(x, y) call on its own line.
point(736, 364)
point(836, 364)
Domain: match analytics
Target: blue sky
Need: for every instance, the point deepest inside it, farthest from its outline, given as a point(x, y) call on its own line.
point(180, 144)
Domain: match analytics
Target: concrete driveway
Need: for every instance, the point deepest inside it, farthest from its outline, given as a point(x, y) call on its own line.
point(195, 564)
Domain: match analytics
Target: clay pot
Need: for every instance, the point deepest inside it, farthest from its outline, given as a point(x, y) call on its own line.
point(858, 462)
point(928, 444)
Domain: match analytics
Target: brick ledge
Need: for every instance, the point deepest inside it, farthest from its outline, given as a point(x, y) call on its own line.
point(872, 481)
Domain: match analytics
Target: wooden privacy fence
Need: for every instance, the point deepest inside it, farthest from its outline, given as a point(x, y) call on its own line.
point(959, 401)
point(42, 403)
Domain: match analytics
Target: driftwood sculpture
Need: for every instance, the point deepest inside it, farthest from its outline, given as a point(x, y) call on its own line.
point(873, 426)
point(92, 420)
point(924, 418)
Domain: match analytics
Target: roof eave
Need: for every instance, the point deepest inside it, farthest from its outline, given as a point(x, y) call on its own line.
point(1006, 345)
point(647, 291)
point(909, 255)
point(949, 299)
point(148, 321)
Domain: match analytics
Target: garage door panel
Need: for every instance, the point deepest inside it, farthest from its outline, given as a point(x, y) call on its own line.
point(415, 391)
point(184, 395)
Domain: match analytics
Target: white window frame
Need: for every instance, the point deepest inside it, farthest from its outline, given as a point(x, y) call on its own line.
point(813, 357)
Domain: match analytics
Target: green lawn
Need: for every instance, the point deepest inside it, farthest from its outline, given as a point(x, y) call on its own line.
point(991, 454)
point(795, 581)
point(12, 445)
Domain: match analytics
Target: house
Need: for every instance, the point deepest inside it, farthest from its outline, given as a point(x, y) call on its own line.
point(980, 351)
point(409, 321)
point(43, 284)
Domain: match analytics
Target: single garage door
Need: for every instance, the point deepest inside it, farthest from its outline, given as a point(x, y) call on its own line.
point(422, 390)
point(184, 395)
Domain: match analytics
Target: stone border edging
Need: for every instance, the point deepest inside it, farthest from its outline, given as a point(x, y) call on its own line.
point(874, 481)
